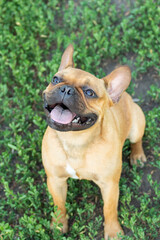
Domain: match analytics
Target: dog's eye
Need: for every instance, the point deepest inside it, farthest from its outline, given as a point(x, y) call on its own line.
point(56, 80)
point(89, 93)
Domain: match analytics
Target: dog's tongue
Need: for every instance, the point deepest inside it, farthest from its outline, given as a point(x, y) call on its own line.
point(63, 116)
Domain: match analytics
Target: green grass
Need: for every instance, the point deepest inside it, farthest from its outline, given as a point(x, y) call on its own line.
point(33, 37)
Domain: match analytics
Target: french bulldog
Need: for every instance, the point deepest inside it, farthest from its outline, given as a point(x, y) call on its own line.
point(89, 120)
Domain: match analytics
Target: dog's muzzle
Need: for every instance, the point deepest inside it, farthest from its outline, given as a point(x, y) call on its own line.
point(60, 115)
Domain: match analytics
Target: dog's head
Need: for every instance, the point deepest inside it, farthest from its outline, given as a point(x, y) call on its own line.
point(76, 100)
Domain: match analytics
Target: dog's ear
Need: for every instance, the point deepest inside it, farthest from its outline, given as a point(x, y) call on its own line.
point(117, 82)
point(67, 58)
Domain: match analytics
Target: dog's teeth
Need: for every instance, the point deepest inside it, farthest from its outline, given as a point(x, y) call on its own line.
point(89, 121)
point(79, 120)
point(76, 120)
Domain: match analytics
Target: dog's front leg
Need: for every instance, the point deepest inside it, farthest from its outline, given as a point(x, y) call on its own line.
point(110, 194)
point(58, 189)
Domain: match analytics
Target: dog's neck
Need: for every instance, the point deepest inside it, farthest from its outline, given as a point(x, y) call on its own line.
point(78, 141)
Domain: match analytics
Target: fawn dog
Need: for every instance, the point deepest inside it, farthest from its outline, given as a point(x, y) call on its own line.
point(89, 120)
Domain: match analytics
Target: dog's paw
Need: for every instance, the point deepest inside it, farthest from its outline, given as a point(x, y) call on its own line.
point(113, 232)
point(62, 225)
point(138, 159)
point(113, 238)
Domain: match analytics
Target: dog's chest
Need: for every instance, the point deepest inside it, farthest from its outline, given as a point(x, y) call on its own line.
point(80, 166)
point(71, 171)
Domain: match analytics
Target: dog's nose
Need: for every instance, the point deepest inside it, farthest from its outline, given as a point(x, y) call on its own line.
point(68, 90)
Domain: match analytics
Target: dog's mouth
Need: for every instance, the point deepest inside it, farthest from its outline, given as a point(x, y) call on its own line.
point(61, 118)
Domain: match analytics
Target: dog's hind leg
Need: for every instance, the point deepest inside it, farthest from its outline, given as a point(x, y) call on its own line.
point(137, 154)
point(135, 136)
